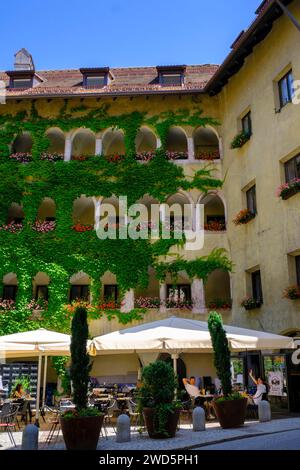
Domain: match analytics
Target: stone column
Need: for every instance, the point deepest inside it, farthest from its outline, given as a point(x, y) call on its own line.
point(191, 149)
point(128, 301)
point(158, 143)
point(68, 148)
point(198, 296)
point(97, 205)
point(163, 297)
point(221, 148)
point(98, 146)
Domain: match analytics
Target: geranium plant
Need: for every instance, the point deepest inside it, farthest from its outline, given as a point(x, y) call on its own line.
point(21, 157)
point(240, 140)
point(145, 156)
point(215, 226)
point(7, 305)
point(52, 157)
point(12, 227)
point(44, 226)
point(243, 217)
point(292, 293)
point(179, 304)
point(176, 155)
point(82, 227)
point(287, 190)
point(209, 156)
point(147, 302)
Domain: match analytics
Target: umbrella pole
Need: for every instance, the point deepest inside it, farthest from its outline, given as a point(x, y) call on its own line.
point(175, 357)
point(37, 412)
point(44, 382)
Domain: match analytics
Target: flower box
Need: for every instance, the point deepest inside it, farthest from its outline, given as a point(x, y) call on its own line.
point(177, 155)
point(287, 190)
point(243, 217)
point(208, 156)
point(145, 156)
point(52, 157)
point(21, 157)
point(147, 302)
point(179, 304)
point(292, 293)
point(240, 140)
point(215, 226)
point(82, 228)
point(44, 226)
point(115, 158)
point(251, 304)
point(12, 227)
point(6, 305)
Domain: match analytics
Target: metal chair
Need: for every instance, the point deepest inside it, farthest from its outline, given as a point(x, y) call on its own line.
point(55, 425)
point(8, 423)
point(133, 413)
point(109, 414)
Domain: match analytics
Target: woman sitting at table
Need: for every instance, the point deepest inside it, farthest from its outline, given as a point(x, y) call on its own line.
point(19, 392)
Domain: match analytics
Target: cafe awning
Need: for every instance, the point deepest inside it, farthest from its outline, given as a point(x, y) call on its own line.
point(180, 334)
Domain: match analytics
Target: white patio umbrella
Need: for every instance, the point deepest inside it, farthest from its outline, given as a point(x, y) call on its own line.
point(36, 343)
point(179, 334)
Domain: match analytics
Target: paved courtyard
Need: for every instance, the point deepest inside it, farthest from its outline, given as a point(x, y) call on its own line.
point(185, 438)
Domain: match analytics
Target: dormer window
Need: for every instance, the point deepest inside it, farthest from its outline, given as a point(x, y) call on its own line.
point(171, 75)
point(21, 79)
point(96, 77)
point(21, 83)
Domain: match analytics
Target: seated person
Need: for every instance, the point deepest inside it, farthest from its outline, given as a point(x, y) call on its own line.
point(191, 388)
point(261, 390)
point(19, 392)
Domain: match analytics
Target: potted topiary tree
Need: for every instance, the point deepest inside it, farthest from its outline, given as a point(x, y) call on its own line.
point(231, 407)
point(81, 427)
point(157, 400)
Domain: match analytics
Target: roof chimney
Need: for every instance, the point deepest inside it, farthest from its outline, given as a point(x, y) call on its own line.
point(23, 60)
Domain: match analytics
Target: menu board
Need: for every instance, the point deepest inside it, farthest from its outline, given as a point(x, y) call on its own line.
point(11, 371)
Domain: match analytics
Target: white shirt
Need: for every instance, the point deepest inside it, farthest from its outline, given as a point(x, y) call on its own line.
point(261, 389)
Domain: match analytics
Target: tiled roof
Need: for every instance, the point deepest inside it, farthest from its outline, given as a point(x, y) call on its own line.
point(133, 80)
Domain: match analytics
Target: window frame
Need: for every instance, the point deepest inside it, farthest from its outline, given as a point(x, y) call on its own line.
point(40, 287)
point(289, 88)
point(82, 296)
point(98, 76)
point(163, 75)
point(292, 166)
point(251, 199)
point(247, 118)
point(257, 290)
point(115, 294)
point(10, 286)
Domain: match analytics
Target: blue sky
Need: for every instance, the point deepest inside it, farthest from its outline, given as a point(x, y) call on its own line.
point(76, 33)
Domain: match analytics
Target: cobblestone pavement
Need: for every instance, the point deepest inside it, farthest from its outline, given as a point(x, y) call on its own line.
point(185, 437)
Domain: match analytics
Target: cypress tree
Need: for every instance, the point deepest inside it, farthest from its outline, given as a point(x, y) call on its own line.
point(221, 351)
point(80, 360)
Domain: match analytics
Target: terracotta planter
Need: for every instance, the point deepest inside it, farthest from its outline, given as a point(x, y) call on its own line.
point(81, 433)
point(171, 425)
point(231, 413)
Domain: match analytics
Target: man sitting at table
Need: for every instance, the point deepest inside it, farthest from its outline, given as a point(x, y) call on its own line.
point(191, 388)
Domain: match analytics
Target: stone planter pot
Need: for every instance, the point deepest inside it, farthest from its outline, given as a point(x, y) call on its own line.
point(231, 413)
point(81, 433)
point(171, 426)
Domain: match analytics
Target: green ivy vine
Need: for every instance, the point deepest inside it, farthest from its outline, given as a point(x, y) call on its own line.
point(64, 252)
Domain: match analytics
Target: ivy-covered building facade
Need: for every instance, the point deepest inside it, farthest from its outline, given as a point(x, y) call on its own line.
point(74, 140)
